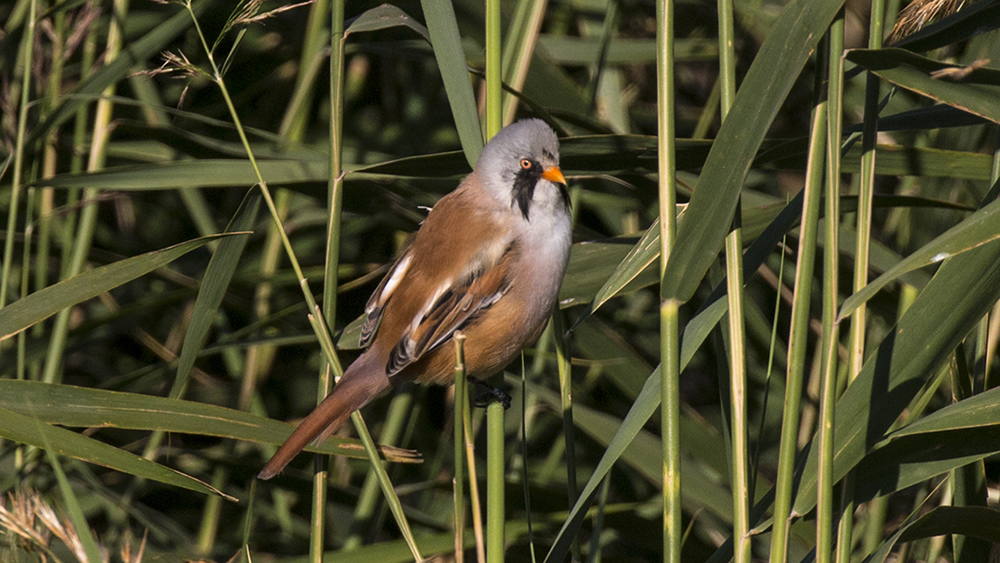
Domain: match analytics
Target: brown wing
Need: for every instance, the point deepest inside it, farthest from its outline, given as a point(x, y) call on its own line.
point(377, 302)
point(457, 305)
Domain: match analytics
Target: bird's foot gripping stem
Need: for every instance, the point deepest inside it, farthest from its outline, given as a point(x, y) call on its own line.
point(489, 393)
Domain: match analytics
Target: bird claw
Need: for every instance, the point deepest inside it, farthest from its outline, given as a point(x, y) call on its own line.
point(488, 394)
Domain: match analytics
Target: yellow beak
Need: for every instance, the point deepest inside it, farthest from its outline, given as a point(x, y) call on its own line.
point(553, 174)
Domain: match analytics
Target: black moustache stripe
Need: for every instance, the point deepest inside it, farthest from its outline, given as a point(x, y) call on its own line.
point(565, 195)
point(524, 188)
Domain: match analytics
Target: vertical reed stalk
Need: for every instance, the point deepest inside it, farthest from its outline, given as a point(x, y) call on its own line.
point(50, 158)
point(27, 48)
point(831, 333)
point(669, 309)
point(88, 216)
point(825, 502)
point(474, 498)
point(495, 411)
point(566, 401)
point(984, 353)
point(740, 451)
point(856, 335)
point(494, 74)
point(336, 181)
point(494, 483)
point(329, 371)
point(831, 245)
point(458, 481)
point(866, 189)
point(798, 336)
point(519, 50)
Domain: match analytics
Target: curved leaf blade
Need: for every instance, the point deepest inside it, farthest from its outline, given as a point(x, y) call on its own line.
point(963, 290)
point(28, 430)
point(981, 227)
point(447, 44)
point(213, 288)
point(383, 17)
point(42, 304)
point(703, 228)
point(977, 93)
point(68, 405)
point(975, 521)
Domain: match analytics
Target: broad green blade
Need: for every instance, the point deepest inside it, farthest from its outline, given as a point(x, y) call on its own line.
point(205, 173)
point(44, 303)
point(976, 521)
point(978, 411)
point(980, 228)
point(590, 264)
point(447, 44)
point(759, 223)
point(976, 91)
point(963, 290)
point(213, 288)
point(32, 431)
point(68, 405)
point(382, 17)
point(643, 255)
point(703, 228)
point(954, 436)
point(580, 156)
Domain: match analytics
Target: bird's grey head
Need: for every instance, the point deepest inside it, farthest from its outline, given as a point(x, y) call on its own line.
point(520, 165)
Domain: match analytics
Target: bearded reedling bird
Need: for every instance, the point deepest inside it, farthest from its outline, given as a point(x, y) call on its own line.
point(487, 261)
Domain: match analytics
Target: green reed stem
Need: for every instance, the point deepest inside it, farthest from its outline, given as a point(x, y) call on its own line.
point(799, 331)
point(825, 501)
point(320, 328)
point(458, 482)
point(474, 497)
point(563, 361)
point(740, 451)
point(26, 50)
point(363, 520)
point(494, 483)
point(669, 309)
point(494, 73)
point(378, 467)
point(856, 335)
point(494, 412)
point(866, 189)
point(88, 215)
point(831, 245)
point(519, 49)
point(336, 181)
point(329, 370)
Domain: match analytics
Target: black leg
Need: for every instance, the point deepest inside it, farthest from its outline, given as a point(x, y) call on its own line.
point(489, 393)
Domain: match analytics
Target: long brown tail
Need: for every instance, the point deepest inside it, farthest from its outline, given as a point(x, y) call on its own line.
point(355, 389)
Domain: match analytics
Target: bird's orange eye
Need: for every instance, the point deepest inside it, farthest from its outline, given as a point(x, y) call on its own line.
point(525, 163)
